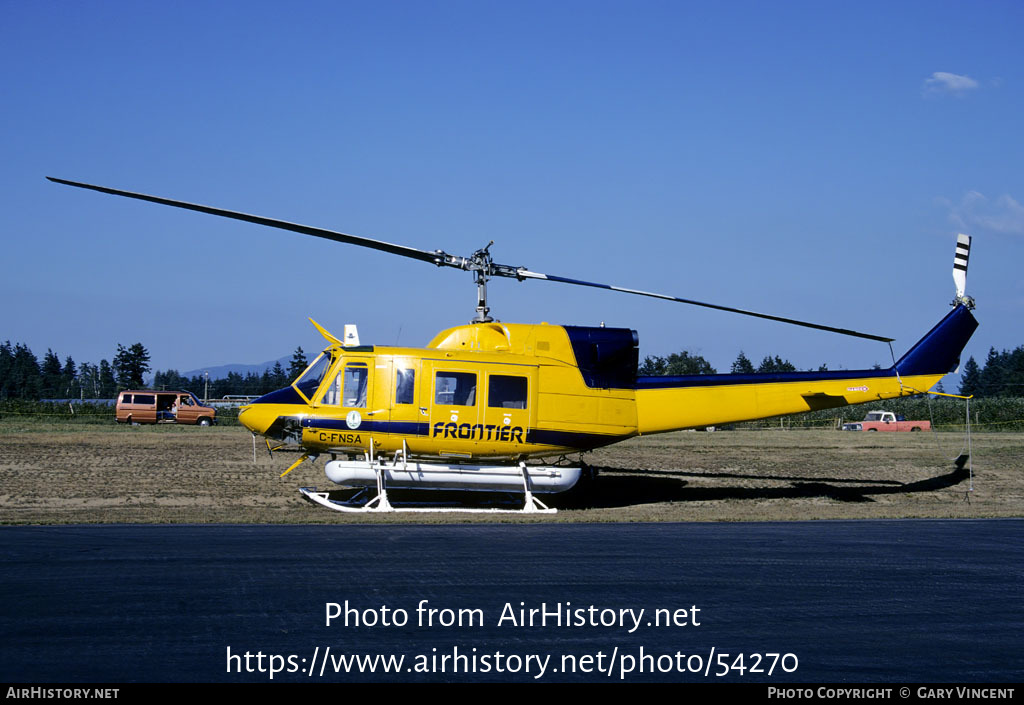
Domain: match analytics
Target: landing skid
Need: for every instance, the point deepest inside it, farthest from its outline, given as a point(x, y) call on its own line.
point(402, 473)
point(380, 504)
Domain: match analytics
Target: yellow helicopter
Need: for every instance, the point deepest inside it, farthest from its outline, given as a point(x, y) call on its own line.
point(469, 409)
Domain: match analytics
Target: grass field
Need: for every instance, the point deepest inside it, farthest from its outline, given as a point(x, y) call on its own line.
point(54, 473)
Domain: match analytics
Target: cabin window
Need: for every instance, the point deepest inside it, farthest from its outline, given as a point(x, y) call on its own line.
point(126, 398)
point(455, 389)
point(145, 399)
point(505, 392)
point(309, 380)
point(354, 393)
point(405, 384)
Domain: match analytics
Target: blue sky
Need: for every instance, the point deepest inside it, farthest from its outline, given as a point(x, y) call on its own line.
point(813, 160)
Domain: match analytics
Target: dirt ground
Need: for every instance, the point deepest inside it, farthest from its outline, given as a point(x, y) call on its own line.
point(52, 474)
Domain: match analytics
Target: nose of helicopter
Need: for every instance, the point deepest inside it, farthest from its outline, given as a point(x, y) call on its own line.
point(272, 414)
point(256, 418)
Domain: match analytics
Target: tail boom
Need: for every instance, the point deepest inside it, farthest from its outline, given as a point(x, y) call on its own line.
point(673, 403)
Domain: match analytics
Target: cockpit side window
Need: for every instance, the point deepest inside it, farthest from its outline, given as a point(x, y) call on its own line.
point(332, 395)
point(348, 387)
point(309, 380)
point(354, 393)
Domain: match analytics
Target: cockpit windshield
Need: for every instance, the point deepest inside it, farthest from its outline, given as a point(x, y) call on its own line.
point(309, 381)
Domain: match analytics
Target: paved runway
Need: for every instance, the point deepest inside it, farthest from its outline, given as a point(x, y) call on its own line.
point(893, 601)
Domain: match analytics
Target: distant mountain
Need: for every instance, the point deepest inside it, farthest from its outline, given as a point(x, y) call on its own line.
point(221, 371)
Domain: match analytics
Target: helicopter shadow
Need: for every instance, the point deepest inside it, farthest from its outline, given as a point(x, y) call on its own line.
point(622, 487)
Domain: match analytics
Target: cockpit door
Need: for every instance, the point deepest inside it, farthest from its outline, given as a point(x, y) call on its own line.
point(348, 401)
point(410, 415)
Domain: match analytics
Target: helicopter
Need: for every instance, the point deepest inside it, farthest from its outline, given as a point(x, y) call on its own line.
point(469, 410)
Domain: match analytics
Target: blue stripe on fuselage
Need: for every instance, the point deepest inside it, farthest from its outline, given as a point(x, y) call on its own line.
point(402, 428)
point(656, 382)
point(536, 436)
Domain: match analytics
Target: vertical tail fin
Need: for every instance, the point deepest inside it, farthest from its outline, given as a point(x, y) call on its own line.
point(938, 352)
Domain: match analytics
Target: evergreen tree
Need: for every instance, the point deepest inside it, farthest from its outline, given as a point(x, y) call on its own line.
point(776, 364)
point(69, 379)
point(278, 378)
point(130, 365)
point(681, 363)
point(742, 366)
point(970, 380)
point(26, 380)
point(252, 384)
point(992, 375)
point(234, 384)
point(6, 362)
point(51, 375)
point(1003, 374)
point(170, 380)
point(1015, 377)
point(89, 381)
point(298, 364)
point(652, 366)
point(107, 382)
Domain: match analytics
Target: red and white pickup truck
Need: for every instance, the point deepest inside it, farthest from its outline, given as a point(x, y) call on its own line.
point(886, 421)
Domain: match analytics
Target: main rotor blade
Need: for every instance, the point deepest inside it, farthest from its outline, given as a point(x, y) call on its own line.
point(437, 258)
point(479, 262)
point(526, 274)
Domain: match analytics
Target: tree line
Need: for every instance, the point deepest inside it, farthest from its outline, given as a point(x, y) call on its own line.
point(1001, 376)
point(687, 363)
point(250, 384)
point(23, 376)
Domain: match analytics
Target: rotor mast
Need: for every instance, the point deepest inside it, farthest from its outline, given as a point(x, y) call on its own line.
point(483, 268)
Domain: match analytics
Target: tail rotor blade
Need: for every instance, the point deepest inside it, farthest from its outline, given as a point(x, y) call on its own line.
point(960, 259)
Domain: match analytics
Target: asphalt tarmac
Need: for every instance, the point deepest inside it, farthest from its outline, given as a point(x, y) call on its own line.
point(863, 602)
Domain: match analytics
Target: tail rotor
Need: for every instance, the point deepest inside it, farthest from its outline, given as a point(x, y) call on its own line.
point(960, 259)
